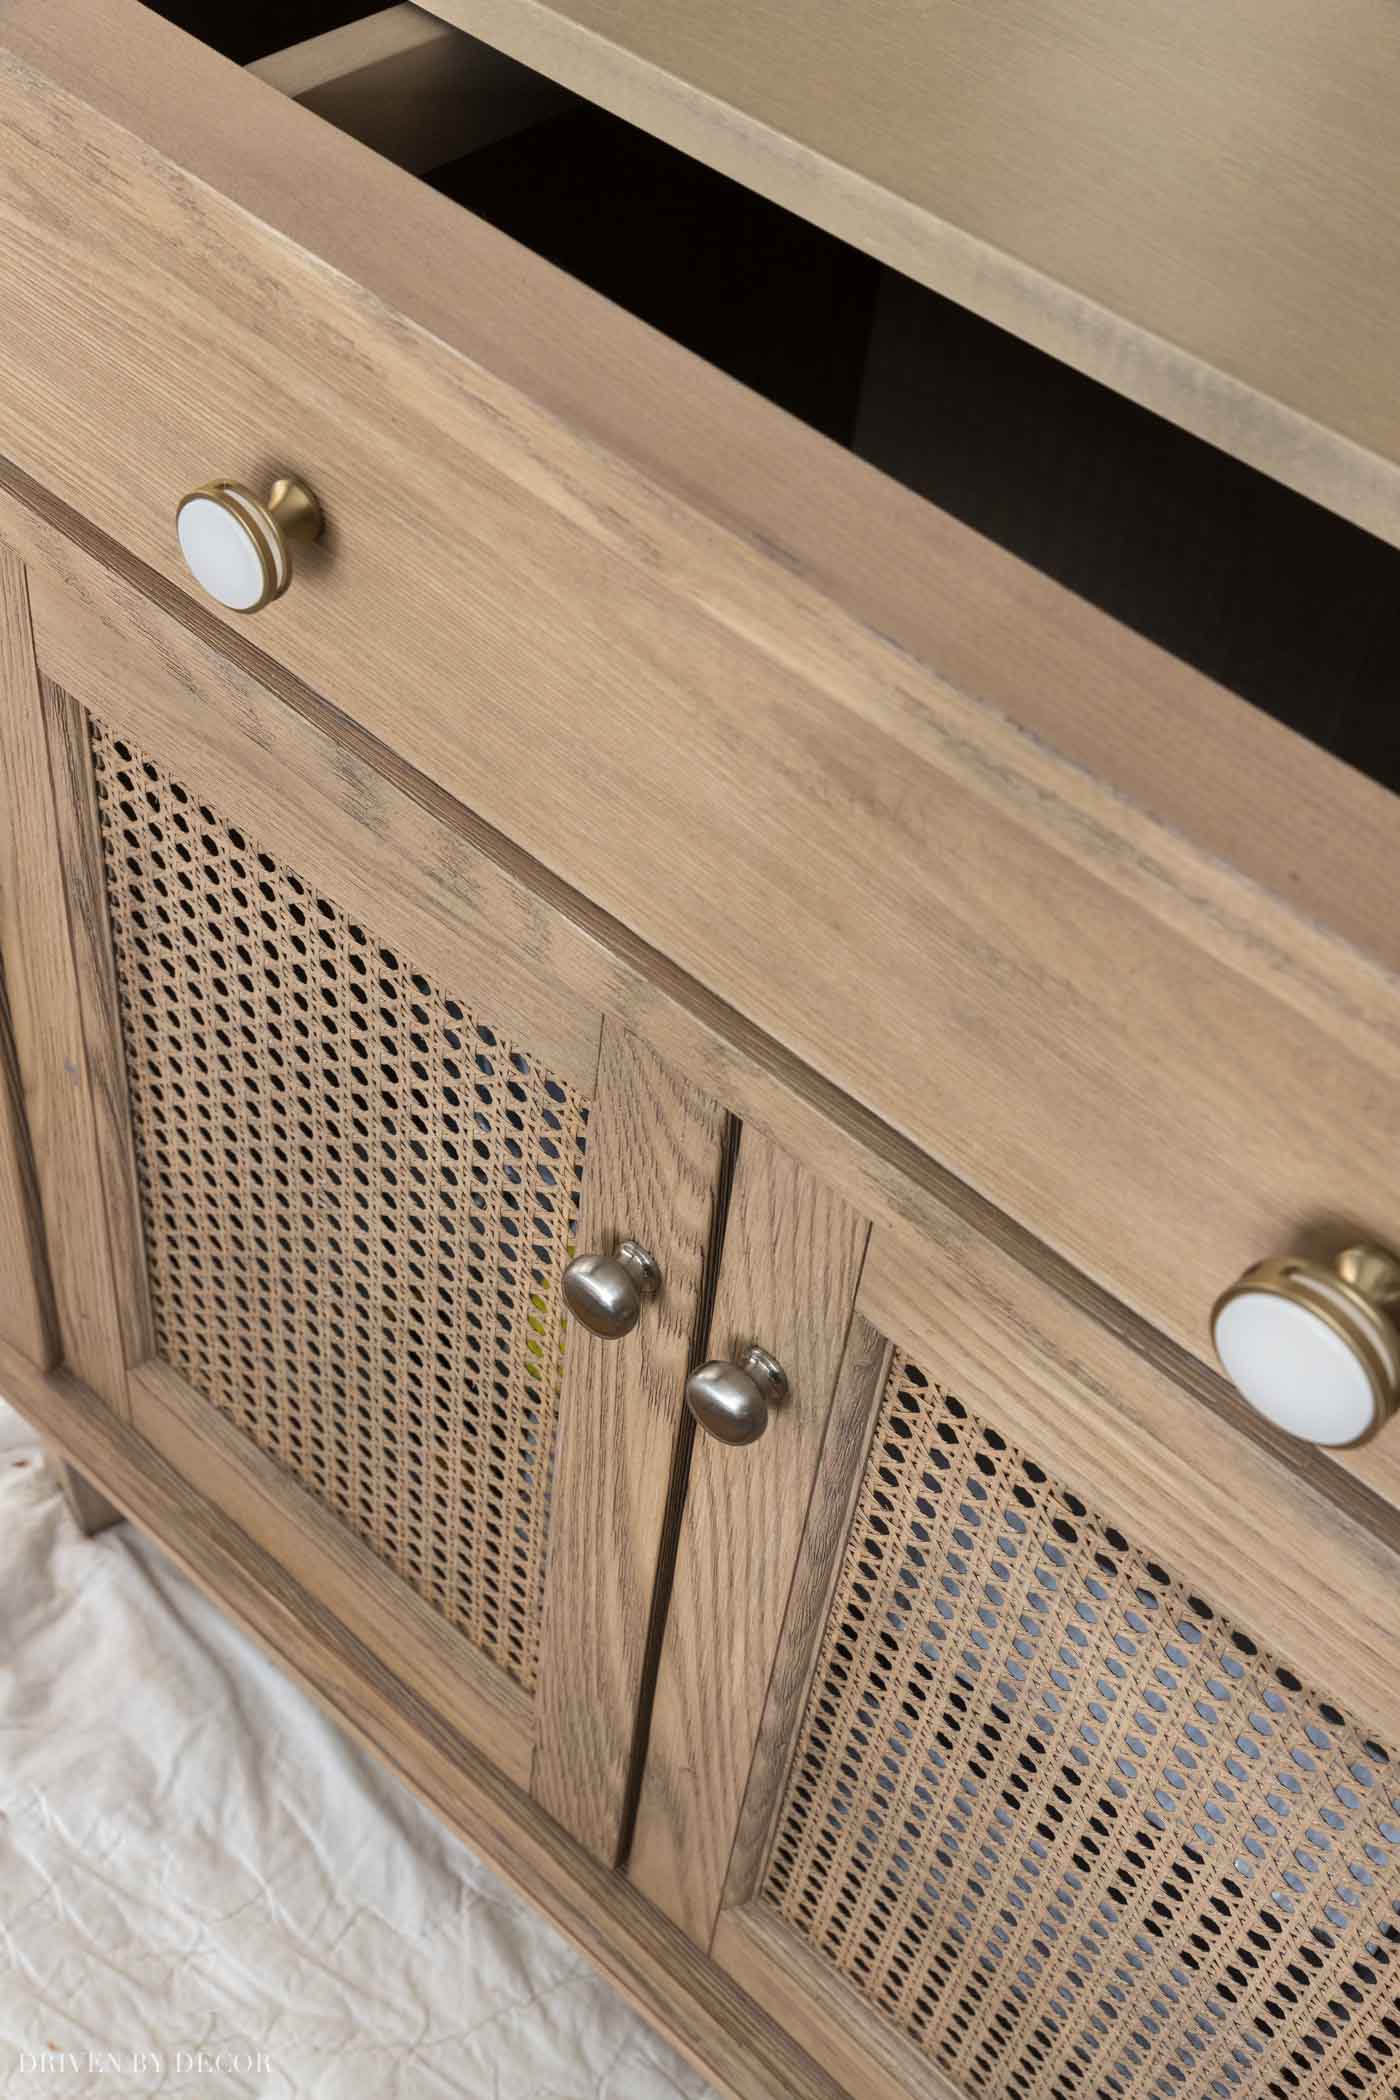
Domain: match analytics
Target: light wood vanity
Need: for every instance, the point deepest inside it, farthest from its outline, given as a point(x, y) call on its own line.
point(630, 1118)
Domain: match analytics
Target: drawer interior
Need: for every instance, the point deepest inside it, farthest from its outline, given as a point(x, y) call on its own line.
point(254, 28)
point(1288, 605)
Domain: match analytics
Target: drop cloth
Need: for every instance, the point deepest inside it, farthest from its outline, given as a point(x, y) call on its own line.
point(207, 1891)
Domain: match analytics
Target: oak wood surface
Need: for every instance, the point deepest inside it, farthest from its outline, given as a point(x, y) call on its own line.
point(786, 1280)
point(1261, 1533)
point(1113, 1009)
point(410, 86)
point(695, 2005)
point(1192, 203)
point(44, 949)
point(26, 1297)
point(654, 1165)
point(553, 956)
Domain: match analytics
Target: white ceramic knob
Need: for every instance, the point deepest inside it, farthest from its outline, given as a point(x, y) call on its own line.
point(236, 545)
point(1315, 1347)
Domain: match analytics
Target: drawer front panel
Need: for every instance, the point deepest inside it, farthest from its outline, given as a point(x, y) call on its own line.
point(1062, 1822)
point(358, 1195)
point(1108, 1034)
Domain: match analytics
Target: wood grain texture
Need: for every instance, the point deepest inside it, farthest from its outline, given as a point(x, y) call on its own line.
point(1192, 205)
point(1261, 1533)
point(698, 2008)
point(410, 86)
point(654, 1161)
point(80, 854)
point(87, 1505)
point(323, 1555)
point(308, 797)
point(27, 1319)
point(44, 950)
point(820, 1555)
point(558, 956)
point(813, 2002)
point(1114, 1010)
point(787, 1280)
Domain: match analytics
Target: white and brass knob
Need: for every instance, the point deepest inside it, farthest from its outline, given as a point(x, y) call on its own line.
point(237, 546)
point(606, 1292)
point(732, 1401)
point(1314, 1346)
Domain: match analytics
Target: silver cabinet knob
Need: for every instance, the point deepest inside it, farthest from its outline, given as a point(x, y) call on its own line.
point(1314, 1346)
point(606, 1292)
point(731, 1400)
point(237, 545)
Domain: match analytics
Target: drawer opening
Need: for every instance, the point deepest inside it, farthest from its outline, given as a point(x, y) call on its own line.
point(245, 30)
point(1288, 605)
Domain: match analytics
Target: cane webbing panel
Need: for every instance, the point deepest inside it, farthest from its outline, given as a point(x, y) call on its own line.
point(358, 1199)
point(1068, 1827)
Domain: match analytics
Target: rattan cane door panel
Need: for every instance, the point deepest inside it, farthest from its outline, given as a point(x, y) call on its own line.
point(1062, 1822)
point(358, 1199)
point(1042, 1819)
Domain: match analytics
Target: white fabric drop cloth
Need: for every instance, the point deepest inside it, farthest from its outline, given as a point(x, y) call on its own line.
point(207, 1891)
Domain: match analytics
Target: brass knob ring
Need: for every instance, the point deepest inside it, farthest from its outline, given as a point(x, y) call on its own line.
point(1314, 1346)
point(236, 545)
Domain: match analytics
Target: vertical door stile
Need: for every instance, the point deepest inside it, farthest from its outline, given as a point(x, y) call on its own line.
point(51, 965)
point(655, 1160)
point(787, 1281)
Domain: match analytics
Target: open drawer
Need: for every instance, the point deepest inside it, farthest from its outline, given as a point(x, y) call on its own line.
point(1018, 902)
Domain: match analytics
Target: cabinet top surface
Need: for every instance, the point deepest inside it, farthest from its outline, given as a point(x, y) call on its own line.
point(1196, 200)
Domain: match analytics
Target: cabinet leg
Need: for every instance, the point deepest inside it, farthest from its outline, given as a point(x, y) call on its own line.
point(90, 1509)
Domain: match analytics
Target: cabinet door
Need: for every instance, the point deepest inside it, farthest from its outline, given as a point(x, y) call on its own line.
point(1075, 1766)
point(340, 1110)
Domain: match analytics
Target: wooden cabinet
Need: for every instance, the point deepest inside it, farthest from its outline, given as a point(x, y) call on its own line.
point(641, 818)
point(1067, 958)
